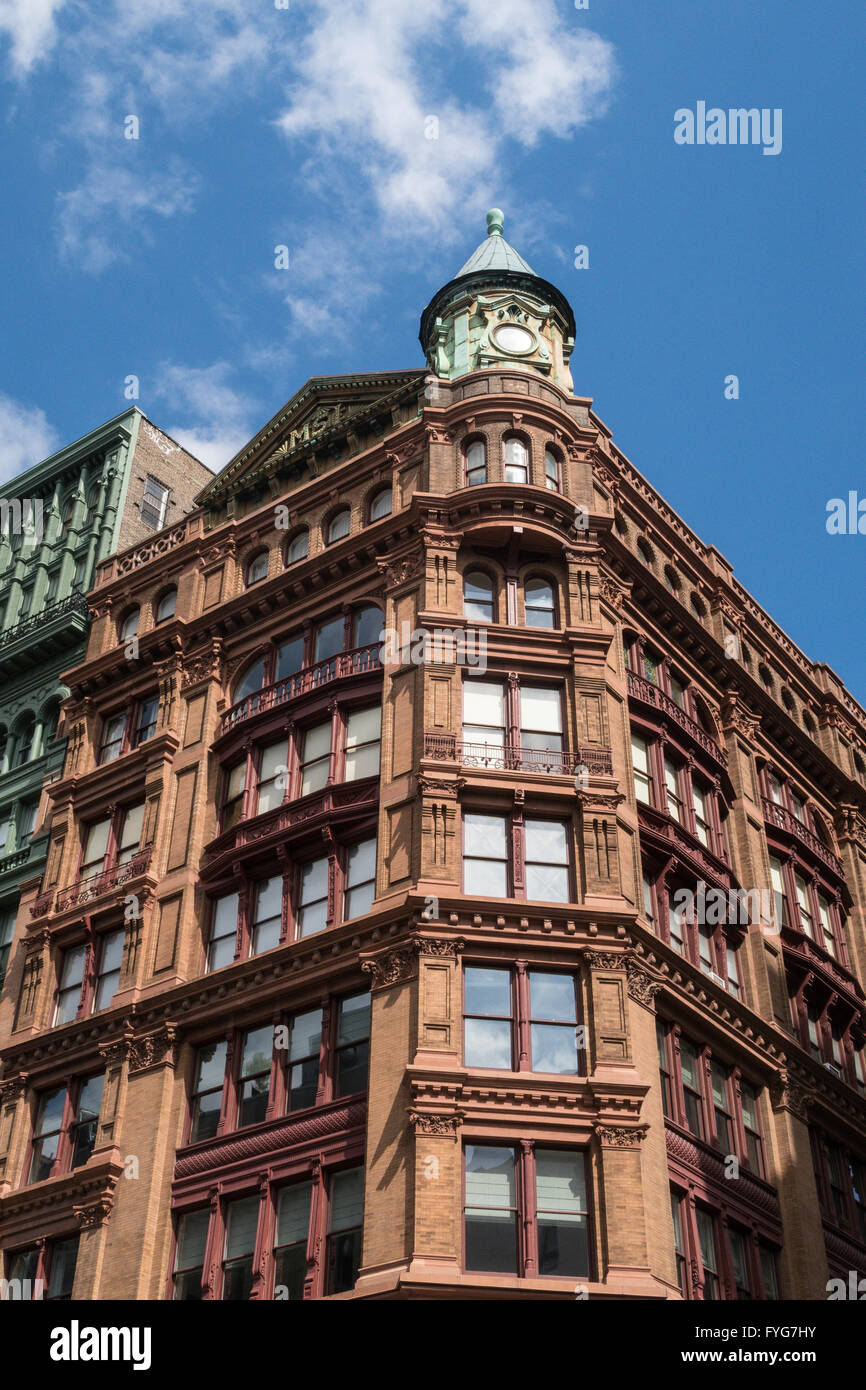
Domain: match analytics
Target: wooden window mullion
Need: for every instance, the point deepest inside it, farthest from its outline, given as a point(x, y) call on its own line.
point(526, 1209)
point(521, 1006)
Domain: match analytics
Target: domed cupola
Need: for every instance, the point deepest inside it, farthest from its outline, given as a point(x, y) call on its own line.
point(497, 313)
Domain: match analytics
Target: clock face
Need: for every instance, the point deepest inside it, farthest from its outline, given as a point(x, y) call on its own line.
point(511, 338)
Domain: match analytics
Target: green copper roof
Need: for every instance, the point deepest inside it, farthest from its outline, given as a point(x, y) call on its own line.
point(495, 253)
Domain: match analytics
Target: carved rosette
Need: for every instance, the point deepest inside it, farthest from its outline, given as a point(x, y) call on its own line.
point(642, 987)
point(620, 1136)
point(447, 1125)
point(157, 1049)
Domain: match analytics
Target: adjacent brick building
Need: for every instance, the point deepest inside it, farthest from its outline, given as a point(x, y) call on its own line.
point(418, 969)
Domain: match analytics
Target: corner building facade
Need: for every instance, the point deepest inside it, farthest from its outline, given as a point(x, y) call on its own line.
point(434, 975)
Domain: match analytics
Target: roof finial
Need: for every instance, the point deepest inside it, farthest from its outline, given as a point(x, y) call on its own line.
point(495, 222)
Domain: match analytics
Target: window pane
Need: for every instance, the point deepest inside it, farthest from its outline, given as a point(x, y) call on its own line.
point(488, 1043)
point(540, 709)
point(73, 966)
point(347, 1200)
point(491, 1232)
point(63, 1257)
point(329, 639)
point(485, 835)
point(354, 1021)
point(485, 877)
point(361, 864)
point(96, 844)
point(339, 526)
point(561, 1206)
point(241, 1221)
point(488, 992)
point(211, 1066)
point(290, 657)
point(191, 1240)
point(483, 703)
point(367, 626)
point(293, 1213)
point(552, 997)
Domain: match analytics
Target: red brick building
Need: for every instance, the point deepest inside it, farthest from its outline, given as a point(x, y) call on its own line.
point(520, 953)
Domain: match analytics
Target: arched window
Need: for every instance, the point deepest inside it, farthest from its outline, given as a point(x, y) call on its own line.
point(67, 511)
point(92, 503)
point(298, 547)
point(4, 742)
point(516, 461)
point(644, 551)
point(382, 504)
point(366, 626)
point(478, 601)
point(257, 568)
point(252, 680)
point(166, 606)
point(551, 471)
point(339, 526)
point(540, 603)
point(476, 463)
point(129, 625)
point(24, 740)
point(50, 716)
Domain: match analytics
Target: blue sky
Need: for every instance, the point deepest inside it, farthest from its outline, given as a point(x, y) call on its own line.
point(307, 127)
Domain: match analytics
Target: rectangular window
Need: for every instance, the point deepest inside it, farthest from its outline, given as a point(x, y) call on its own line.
point(95, 848)
point(153, 504)
point(734, 984)
point(722, 1107)
point(777, 883)
point(254, 1082)
point(491, 1209)
point(767, 1257)
point(553, 1023)
point(360, 879)
point(826, 919)
point(813, 1032)
point(690, 1066)
point(678, 692)
point(313, 897)
point(267, 918)
point(857, 1173)
point(739, 1263)
point(678, 1242)
point(233, 798)
point(707, 1241)
point(775, 789)
point(110, 954)
point(706, 949)
point(345, 1229)
point(700, 801)
point(272, 777)
point(651, 667)
point(290, 1241)
point(754, 1144)
point(145, 720)
point(86, 1119)
point(61, 1278)
point(316, 760)
point(488, 1018)
point(47, 1133)
point(547, 862)
point(224, 930)
point(207, 1095)
point(113, 731)
point(664, 1070)
point(71, 981)
point(804, 903)
point(353, 1045)
point(129, 837)
point(305, 1048)
point(648, 903)
point(242, 1219)
point(7, 930)
point(672, 789)
point(26, 601)
point(677, 923)
point(641, 764)
point(540, 722)
point(26, 822)
point(561, 1213)
point(192, 1230)
point(799, 808)
point(484, 717)
point(485, 855)
point(363, 736)
point(836, 1177)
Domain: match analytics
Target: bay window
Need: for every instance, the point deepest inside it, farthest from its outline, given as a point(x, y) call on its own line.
point(64, 1130)
point(490, 868)
point(643, 787)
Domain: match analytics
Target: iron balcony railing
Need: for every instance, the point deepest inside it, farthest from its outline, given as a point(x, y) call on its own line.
point(783, 819)
point(96, 885)
point(353, 663)
point(651, 695)
point(73, 603)
point(506, 758)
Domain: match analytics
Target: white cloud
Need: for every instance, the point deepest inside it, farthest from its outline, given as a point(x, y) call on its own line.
point(30, 28)
point(366, 81)
point(26, 437)
point(215, 419)
point(102, 220)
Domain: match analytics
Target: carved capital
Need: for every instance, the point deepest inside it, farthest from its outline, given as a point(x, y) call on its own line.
point(157, 1049)
point(620, 1136)
point(446, 1124)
